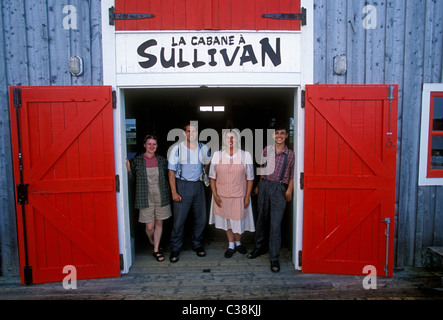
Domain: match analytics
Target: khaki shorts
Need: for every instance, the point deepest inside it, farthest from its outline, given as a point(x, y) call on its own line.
point(147, 215)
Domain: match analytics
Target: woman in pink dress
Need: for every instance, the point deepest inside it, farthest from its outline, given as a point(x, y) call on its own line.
point(232, 176)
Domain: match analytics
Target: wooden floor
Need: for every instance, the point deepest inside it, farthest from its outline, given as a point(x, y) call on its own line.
point(238, 278)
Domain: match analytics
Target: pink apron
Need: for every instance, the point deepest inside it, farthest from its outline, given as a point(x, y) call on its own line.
point(231, 188)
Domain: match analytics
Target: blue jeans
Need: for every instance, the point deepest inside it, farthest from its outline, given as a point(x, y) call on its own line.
point(193, 199)
point(271, 207)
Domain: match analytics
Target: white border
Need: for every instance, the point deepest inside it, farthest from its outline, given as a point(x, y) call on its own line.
point(119, 83)
point(423, 180)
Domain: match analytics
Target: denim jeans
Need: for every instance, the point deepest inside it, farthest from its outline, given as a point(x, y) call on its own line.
point(271, 207)
point(193, 199)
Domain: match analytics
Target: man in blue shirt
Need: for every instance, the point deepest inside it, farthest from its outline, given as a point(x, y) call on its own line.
point(186, 163)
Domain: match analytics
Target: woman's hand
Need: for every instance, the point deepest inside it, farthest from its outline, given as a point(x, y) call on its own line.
point(218, 201)
point(247, 201)
point(128, 165)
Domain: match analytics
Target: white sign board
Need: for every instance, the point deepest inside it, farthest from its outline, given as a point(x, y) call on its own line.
point(207, 52)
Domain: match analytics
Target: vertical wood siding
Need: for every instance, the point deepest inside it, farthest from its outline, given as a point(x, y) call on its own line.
point(35, 51)
point(405, 48)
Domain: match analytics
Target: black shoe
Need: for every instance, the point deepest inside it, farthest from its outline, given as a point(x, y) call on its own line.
point(241, 249)
point(256, 253)
point(275, 266)
point(173, 257)
point(200, 251)
point(229, 253)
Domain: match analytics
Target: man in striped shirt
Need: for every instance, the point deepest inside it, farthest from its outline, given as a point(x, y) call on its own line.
point(274, 191)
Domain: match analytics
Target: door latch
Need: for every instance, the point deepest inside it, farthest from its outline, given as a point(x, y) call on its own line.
point(388, 222)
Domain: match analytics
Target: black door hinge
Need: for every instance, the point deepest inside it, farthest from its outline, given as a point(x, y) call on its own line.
point(126, 16)
point(303, 99)
point(302, 180)
point(122, 261)
point(114, 99)
point(288, 16)
point(17, 97)
point(300, 255)
point(117, 183)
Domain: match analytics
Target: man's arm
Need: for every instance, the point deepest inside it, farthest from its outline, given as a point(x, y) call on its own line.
point(288, 193)
point(175, 196)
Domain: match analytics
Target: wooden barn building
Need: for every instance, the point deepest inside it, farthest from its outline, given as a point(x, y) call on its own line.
point(360, 83)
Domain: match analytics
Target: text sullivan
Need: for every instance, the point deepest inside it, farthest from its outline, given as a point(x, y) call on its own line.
point(178, 55)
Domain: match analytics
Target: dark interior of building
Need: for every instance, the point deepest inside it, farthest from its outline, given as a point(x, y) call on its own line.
point(157, 111)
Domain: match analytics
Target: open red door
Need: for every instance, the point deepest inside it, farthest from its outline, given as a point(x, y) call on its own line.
point(63, 154)
point(350, 176)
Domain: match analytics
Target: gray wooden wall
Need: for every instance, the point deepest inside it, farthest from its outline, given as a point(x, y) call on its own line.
point(403, 46)
point(37, 38)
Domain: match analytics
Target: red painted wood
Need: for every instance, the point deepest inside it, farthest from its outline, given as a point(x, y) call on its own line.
point(68, 162)
point(350, 177)
point(207, 14)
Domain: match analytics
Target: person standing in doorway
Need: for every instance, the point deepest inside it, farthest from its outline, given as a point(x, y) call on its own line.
point(152, 193)
point(232, 177)
point(274, 191)
point(187, 162)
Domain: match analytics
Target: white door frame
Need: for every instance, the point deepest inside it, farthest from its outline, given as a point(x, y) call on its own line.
point(120, 83)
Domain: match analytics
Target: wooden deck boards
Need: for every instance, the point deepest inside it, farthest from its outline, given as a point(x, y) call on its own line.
point(238, 278)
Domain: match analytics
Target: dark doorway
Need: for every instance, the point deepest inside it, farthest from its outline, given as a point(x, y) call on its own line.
point(157, 111)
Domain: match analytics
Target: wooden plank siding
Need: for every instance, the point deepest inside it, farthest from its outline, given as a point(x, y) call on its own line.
point(35, 51)
point(405, 48)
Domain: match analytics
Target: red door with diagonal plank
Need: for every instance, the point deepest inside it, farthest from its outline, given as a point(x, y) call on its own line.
point(349, 178)
point(63, 154)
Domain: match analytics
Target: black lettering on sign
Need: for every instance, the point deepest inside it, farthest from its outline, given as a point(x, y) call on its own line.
point(152, 60)
point(212, 56)
point(266, 49)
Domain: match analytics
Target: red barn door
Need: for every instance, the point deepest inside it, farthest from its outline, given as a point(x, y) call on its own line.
point(207, 14)
point(63, 151)
point(350, 176)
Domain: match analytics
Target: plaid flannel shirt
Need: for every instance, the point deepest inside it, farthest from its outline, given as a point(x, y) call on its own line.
point(138, 169)
point(276, 164)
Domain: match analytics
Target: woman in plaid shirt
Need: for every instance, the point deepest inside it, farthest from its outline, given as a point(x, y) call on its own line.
point(152, 192)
